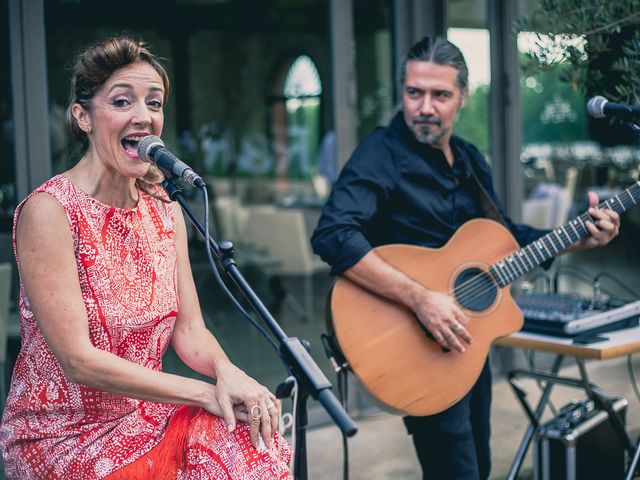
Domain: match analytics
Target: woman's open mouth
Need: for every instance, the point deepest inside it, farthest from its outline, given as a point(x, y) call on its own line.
point(130, 145)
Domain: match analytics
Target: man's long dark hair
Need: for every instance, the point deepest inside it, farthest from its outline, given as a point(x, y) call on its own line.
point(440, 51)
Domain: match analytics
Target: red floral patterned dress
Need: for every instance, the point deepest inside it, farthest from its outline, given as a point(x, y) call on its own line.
point(56, 429)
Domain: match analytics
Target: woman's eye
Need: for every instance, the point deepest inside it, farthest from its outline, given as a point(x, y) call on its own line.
point(155, 104)
point(120, 102)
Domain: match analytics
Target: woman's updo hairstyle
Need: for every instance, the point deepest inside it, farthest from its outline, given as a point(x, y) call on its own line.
point(92, 69)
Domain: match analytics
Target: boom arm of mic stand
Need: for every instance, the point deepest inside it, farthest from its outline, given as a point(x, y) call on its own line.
point(634, 128)
point(309, 376)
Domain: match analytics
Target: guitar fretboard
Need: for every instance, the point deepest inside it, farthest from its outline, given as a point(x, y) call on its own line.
point(526, 259)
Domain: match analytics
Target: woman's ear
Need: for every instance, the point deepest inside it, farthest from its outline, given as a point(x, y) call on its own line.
point(82, 117)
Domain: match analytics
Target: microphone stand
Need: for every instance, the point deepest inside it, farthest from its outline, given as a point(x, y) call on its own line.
point(310, 379)
point(634, 459)
point(634, 128)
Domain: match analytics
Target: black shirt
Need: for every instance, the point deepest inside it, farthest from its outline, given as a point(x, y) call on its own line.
point(394, 189)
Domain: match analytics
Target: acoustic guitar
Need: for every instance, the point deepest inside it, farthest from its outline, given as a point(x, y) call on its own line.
point(390, 351)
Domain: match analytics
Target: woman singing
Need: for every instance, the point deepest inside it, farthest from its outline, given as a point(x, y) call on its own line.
point(105, 286)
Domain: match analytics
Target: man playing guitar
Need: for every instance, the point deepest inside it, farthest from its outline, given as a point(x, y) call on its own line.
point(415, 183)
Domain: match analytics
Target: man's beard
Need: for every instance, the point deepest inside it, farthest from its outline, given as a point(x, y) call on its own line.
point(427, 129)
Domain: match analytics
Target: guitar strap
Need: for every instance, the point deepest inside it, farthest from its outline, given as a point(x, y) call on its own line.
point(488, 205)
point(491, 210)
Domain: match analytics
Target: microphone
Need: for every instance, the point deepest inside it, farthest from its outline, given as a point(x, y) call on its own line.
point(600, 107)
point(151, 149)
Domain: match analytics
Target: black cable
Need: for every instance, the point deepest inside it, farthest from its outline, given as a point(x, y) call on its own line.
point(221, 283)
point(618, 282)
point(577, 272)
point(292, 348)
point(583, 275)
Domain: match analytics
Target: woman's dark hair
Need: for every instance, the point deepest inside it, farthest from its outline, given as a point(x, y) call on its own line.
point(441, 52)
point(92, 69)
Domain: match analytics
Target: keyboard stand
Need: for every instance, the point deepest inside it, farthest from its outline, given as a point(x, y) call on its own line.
point(534, 417)
point(619, 343)
point(632, 468)
point(593, 392)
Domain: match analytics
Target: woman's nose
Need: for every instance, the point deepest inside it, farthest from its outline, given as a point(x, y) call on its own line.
point(141, 113)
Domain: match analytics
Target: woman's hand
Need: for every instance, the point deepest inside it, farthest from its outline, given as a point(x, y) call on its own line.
point(240, 397)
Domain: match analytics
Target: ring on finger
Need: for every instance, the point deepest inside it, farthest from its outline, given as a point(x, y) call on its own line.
point(256, 412)
point(458, 327)
point(271, 406)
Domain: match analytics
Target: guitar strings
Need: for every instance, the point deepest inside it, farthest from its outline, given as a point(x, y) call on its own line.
point(475, 286)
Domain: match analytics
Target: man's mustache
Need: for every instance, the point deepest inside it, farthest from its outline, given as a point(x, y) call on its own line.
point(432, 119)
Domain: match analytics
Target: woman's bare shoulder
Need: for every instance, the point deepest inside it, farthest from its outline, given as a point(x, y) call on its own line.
point(42, 213)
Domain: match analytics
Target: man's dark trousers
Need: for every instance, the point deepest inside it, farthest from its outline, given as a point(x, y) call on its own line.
point(454, 444)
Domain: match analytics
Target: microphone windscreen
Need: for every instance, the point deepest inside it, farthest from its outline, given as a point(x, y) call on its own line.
point(595, 106)
point(146, 144)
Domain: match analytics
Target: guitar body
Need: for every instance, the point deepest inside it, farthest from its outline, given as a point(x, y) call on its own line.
point(386, 346)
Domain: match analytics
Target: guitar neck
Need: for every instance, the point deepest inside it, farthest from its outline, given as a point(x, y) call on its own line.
point(548, 246)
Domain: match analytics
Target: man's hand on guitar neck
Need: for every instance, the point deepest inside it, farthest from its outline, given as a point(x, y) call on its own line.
point(440, 314)
point(605, 229)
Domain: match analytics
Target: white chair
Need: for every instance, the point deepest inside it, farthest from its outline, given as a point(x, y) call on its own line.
point(538, 212)
point(551, 203)
point(228, 218)
point(283, 234)
point(5, 298)
point(232, 218)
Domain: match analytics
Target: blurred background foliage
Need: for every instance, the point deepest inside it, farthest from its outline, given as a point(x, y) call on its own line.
point(598, 40)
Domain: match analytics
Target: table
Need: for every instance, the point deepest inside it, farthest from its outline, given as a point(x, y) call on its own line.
point(614, 344)
point(617, 344)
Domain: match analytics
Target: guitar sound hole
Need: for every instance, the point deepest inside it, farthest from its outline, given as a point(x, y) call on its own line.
point(475, 290)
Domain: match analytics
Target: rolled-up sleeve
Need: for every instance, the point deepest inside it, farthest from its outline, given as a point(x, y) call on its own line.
point(358, 195)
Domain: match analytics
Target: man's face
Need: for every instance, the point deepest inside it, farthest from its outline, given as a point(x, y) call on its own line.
point(431, 100)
